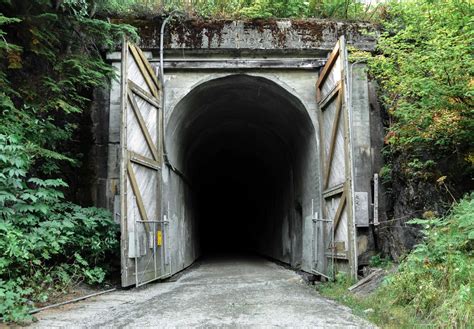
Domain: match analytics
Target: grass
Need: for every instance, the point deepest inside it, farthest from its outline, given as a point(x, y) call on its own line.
point(376, 307)
point(433, 286)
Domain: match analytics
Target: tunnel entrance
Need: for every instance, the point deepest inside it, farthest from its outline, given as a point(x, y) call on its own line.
point(242, 144)
point(234, 164)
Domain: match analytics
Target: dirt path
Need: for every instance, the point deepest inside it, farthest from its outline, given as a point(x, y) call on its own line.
point(243, 292)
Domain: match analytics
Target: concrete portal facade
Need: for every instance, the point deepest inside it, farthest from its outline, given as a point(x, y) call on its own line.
point(251, 138)
point(242, 139)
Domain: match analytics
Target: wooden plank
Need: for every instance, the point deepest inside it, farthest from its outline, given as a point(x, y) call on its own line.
point(329, 64)
point(143, 70)
point(148, 67)
point(144, 161)
point(138, 196)
point(371, 282)
point(341, 256)
point(144, 94)
point(334, 190)
point(351, 229)
point(332, 142)
point(330, 96)
point(340, 208)
point(143, 127)
point(125, 266)
point(372, 276)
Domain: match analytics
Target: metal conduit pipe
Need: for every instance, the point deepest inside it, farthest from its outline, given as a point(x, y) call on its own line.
point(162, 79)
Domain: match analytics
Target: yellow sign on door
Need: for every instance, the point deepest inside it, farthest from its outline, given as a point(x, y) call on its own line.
point(159, 238)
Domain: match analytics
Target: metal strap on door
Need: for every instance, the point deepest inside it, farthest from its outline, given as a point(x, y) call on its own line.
point(143, 232)
point(338, 237)
point(322, 227)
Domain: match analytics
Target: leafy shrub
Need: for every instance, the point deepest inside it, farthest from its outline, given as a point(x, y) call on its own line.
point(380, 261)
point(51, 58)
point(434, 284)
point(46, 244)
point(253, 9)
point(355, 10)
point(437, 277)
point(386, 174)
point(425, 73)
point(275, 8)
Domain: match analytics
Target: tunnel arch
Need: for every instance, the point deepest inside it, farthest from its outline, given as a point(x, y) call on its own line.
point(246, 147)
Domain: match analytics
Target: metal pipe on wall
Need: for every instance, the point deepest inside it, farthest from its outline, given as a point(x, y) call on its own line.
point(162, 79)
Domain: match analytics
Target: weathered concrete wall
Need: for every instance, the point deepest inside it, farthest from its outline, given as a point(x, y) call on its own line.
point(99, 150)
point(362, 157)
point(301, 36)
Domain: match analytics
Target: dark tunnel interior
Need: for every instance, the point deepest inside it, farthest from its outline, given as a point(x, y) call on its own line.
point(238, 176)
point(240, 142)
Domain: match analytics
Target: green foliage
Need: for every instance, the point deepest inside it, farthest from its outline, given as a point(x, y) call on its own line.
point(46, 244)
point(253, 9)
point(434, 284)
point(345, 9)
point(208, 8)
point(437, 278)
point(380, 261)
point(425, 71)
point(375, 307)
point(4, 45)
point(274, 8)
point(386, 174)
point(51, 56)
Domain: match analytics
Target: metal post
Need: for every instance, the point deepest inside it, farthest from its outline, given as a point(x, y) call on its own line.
point(333, 248)
point(167, 250)
point(315, 235)
point(165, 243)
point(154, 248)
point(135, 235)
point(376, 199)
point(163, 246)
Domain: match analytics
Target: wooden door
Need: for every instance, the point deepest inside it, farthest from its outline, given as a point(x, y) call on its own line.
point(337, 248)
point(142, 230)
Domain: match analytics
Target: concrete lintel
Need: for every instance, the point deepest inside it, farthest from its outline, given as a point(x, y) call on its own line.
point(200, 64)
point(317, 35)
point(226, 63)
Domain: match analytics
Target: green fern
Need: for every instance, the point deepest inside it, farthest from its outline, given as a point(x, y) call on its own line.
point(45, 242)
